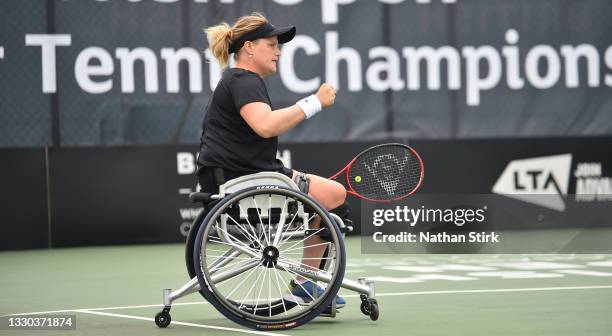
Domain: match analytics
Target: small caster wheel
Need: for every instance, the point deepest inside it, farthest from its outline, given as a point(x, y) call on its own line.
point(369, 307)
point(374, 310)
point(365, 307)
point(163, 319)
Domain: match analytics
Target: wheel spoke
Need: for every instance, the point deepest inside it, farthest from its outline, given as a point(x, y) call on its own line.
point(241, 282)
point(231, 266)
point(245, 214)
point(259, 294)
point(280, 293)
point(300, 228)
point(297, 282)
point(232, 252)
point(212, 250)
point(243, 230)
point(291, 261)
point(263, 228)
point(305, 246)
point(317, 258)
point(279, 225)
point(223, 261)
point(289, 289)
point(282, 241)
point(269, 292)
point(252, 250)
point(224, 257)
point(250, 289)
point(232, 245)
point(312, 234)
point(259, 215)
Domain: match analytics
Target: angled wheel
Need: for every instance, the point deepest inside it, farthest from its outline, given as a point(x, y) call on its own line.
point(365, 308)
point(374, 312)
point(163, 319)
point(249, 254)
point(369, 307)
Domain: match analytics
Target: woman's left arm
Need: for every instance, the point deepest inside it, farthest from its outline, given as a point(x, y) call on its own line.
point(268, 123)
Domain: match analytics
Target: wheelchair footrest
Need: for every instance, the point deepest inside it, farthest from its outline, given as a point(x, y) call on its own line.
point(329, 313)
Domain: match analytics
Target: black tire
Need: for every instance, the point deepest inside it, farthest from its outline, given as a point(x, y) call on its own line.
point(245, 313)
point(163, 319)
point(374, 312)
point(191, 237)
point(365, 307)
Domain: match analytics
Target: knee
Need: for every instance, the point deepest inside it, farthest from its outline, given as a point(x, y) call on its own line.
point(338, 194)
point(330, 193)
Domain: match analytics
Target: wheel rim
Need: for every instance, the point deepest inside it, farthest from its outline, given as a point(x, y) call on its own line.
point(265, 265)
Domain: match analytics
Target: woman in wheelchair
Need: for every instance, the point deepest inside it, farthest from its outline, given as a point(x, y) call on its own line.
point(241, 128)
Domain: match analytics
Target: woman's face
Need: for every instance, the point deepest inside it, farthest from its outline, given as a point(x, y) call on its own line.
point(265, 55)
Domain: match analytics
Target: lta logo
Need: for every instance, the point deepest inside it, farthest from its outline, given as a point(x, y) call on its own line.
point(542, 181)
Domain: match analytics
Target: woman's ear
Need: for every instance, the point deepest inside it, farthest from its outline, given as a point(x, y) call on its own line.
point(248, 47)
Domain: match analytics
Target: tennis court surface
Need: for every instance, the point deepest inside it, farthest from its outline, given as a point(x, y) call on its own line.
point(118, 290)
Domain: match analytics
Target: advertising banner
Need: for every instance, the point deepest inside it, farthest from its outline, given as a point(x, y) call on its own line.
point(123, 195)
point(89, 72)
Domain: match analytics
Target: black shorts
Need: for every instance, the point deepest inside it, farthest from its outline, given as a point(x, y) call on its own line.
point(208, 183)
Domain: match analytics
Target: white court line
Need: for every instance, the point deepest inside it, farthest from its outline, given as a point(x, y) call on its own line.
point(499, 290)
point(106, 308)
point(587, 273)
point(181, 323)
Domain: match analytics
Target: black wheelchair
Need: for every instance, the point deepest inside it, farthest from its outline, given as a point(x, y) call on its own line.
point(244, 255)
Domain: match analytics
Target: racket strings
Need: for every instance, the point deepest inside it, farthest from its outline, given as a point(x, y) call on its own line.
point(386, 172)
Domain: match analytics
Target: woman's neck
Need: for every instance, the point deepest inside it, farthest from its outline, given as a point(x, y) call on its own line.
point(248, 67)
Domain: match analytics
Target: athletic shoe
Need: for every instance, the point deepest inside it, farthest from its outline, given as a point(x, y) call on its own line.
point(304, 292)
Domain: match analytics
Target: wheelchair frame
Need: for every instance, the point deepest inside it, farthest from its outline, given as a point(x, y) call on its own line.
point(366, 288)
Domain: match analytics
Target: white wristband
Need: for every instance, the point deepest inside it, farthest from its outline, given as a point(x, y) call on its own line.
point(310, 105)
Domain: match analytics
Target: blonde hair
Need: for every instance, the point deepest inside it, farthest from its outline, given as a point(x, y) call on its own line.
point(221, 36)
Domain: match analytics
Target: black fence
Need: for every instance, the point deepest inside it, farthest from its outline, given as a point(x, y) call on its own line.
point(129, 195)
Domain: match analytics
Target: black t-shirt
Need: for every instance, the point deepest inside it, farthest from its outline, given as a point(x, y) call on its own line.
point(227, 140)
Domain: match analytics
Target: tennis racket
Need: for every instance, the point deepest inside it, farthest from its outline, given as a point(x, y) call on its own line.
point(383, 173)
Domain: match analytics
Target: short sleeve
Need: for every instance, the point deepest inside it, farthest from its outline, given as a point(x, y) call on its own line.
point(247, 88)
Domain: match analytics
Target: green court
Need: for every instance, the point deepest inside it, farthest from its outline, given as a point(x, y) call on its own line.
point(118, 290)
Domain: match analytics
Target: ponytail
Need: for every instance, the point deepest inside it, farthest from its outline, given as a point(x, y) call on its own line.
point(221, 36)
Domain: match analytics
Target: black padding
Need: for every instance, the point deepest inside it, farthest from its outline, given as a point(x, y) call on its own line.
point(303, 183)
point(342, 210)
point(219, 176)
point(198, 197)
point(324, 234)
